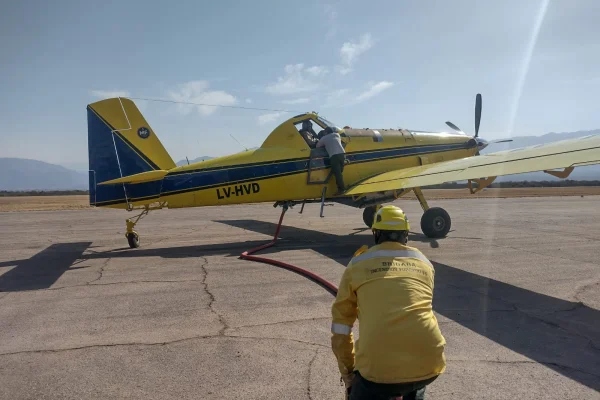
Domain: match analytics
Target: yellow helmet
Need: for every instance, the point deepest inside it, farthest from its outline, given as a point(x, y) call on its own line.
point(390, 218)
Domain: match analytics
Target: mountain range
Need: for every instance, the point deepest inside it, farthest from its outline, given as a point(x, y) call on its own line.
point(582, 173)
point(24, 174)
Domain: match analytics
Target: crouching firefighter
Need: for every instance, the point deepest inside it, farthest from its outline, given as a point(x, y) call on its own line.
point(400, 348)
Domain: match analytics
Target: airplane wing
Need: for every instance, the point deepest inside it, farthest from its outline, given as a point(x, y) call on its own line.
point(562, 154)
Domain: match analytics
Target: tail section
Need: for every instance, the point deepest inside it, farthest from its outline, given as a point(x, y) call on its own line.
point(121, 143)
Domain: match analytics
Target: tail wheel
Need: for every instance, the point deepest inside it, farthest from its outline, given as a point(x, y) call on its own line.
point(435, 223)
point(133, 239)
point(369, 215)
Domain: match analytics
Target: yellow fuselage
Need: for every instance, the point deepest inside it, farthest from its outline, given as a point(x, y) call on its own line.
point(129, 167)
point(280, 172)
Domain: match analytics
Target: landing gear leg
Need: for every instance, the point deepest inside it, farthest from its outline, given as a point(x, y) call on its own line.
point(133, 238)
point(435, 222)
point(323, 200)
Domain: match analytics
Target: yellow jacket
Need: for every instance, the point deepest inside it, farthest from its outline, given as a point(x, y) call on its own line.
point(389, 288)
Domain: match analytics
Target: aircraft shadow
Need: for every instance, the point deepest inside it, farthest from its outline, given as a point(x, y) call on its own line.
point(557, 333)
point(43, 269)
point(233, 249)
point(337, 247)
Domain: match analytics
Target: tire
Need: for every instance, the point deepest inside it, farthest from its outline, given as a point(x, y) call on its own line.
point(435, 223)
point(369, 216)
point(134, 240)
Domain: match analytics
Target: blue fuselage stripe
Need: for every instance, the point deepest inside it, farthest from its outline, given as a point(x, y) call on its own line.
point(209, 178)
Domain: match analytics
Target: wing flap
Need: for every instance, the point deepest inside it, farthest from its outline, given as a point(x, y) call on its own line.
point(563, 154)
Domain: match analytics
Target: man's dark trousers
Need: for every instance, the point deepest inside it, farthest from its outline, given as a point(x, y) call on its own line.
point(337, 166)
point(363, 389)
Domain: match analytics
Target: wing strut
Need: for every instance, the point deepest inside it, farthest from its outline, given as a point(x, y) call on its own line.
point(421, 198)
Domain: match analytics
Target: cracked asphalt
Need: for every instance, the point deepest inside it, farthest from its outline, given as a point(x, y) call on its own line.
point(182, 317)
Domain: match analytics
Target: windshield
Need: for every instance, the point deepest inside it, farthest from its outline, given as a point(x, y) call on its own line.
point(324, 121)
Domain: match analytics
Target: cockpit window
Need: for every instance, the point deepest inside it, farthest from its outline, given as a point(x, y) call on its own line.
point(309, 130)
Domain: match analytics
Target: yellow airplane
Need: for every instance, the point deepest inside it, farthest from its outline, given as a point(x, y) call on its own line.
point(130, 169)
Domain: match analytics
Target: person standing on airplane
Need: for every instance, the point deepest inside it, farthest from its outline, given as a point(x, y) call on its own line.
point(332, 142)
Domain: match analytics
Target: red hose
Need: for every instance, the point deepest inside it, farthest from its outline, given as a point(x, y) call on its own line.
point(247, 255)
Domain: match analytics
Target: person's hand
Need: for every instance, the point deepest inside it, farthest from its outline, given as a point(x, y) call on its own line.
point(348, 379)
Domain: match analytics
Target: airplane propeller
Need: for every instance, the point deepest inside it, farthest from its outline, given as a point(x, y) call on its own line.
point(477, 113)
point(456, 128)
point(481, 143)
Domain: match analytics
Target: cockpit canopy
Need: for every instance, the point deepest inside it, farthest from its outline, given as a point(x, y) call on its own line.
point(311, 127)
point(307, 128)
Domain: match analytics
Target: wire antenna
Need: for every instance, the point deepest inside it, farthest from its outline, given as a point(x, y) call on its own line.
point(238, 142)
point(213, 105)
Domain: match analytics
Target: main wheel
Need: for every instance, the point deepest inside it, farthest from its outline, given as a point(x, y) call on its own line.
point(435, 223)
point(133, 239)
point(369, 215)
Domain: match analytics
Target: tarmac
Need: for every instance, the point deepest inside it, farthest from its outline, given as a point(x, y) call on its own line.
point(82, 316)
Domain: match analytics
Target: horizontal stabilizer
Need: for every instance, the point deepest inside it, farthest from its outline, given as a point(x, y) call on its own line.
point(149, 176)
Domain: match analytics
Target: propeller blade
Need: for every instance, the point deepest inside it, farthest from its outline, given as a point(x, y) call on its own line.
point(456, 128)
point(503, 141)
point(477, 113)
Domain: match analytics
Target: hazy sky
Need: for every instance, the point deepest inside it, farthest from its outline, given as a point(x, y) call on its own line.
point(376, 64)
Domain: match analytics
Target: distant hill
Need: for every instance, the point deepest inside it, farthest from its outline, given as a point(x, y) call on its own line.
point(203, 158)
point(184, 162)
point(591, 172)
point(77, 166)
point(25, 174)
point(523, 141)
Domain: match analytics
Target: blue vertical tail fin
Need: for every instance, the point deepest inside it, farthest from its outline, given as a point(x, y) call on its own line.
point(120, 144)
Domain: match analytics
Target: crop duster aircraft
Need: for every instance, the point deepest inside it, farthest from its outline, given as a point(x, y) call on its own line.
point(130, 169)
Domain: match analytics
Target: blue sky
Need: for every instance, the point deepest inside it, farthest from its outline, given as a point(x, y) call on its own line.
point(376, 64)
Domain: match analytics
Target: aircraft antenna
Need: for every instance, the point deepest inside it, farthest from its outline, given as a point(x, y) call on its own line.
point(214, 105)
point(238, 142)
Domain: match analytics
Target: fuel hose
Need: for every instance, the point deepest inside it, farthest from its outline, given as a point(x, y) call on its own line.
point(248, 255)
